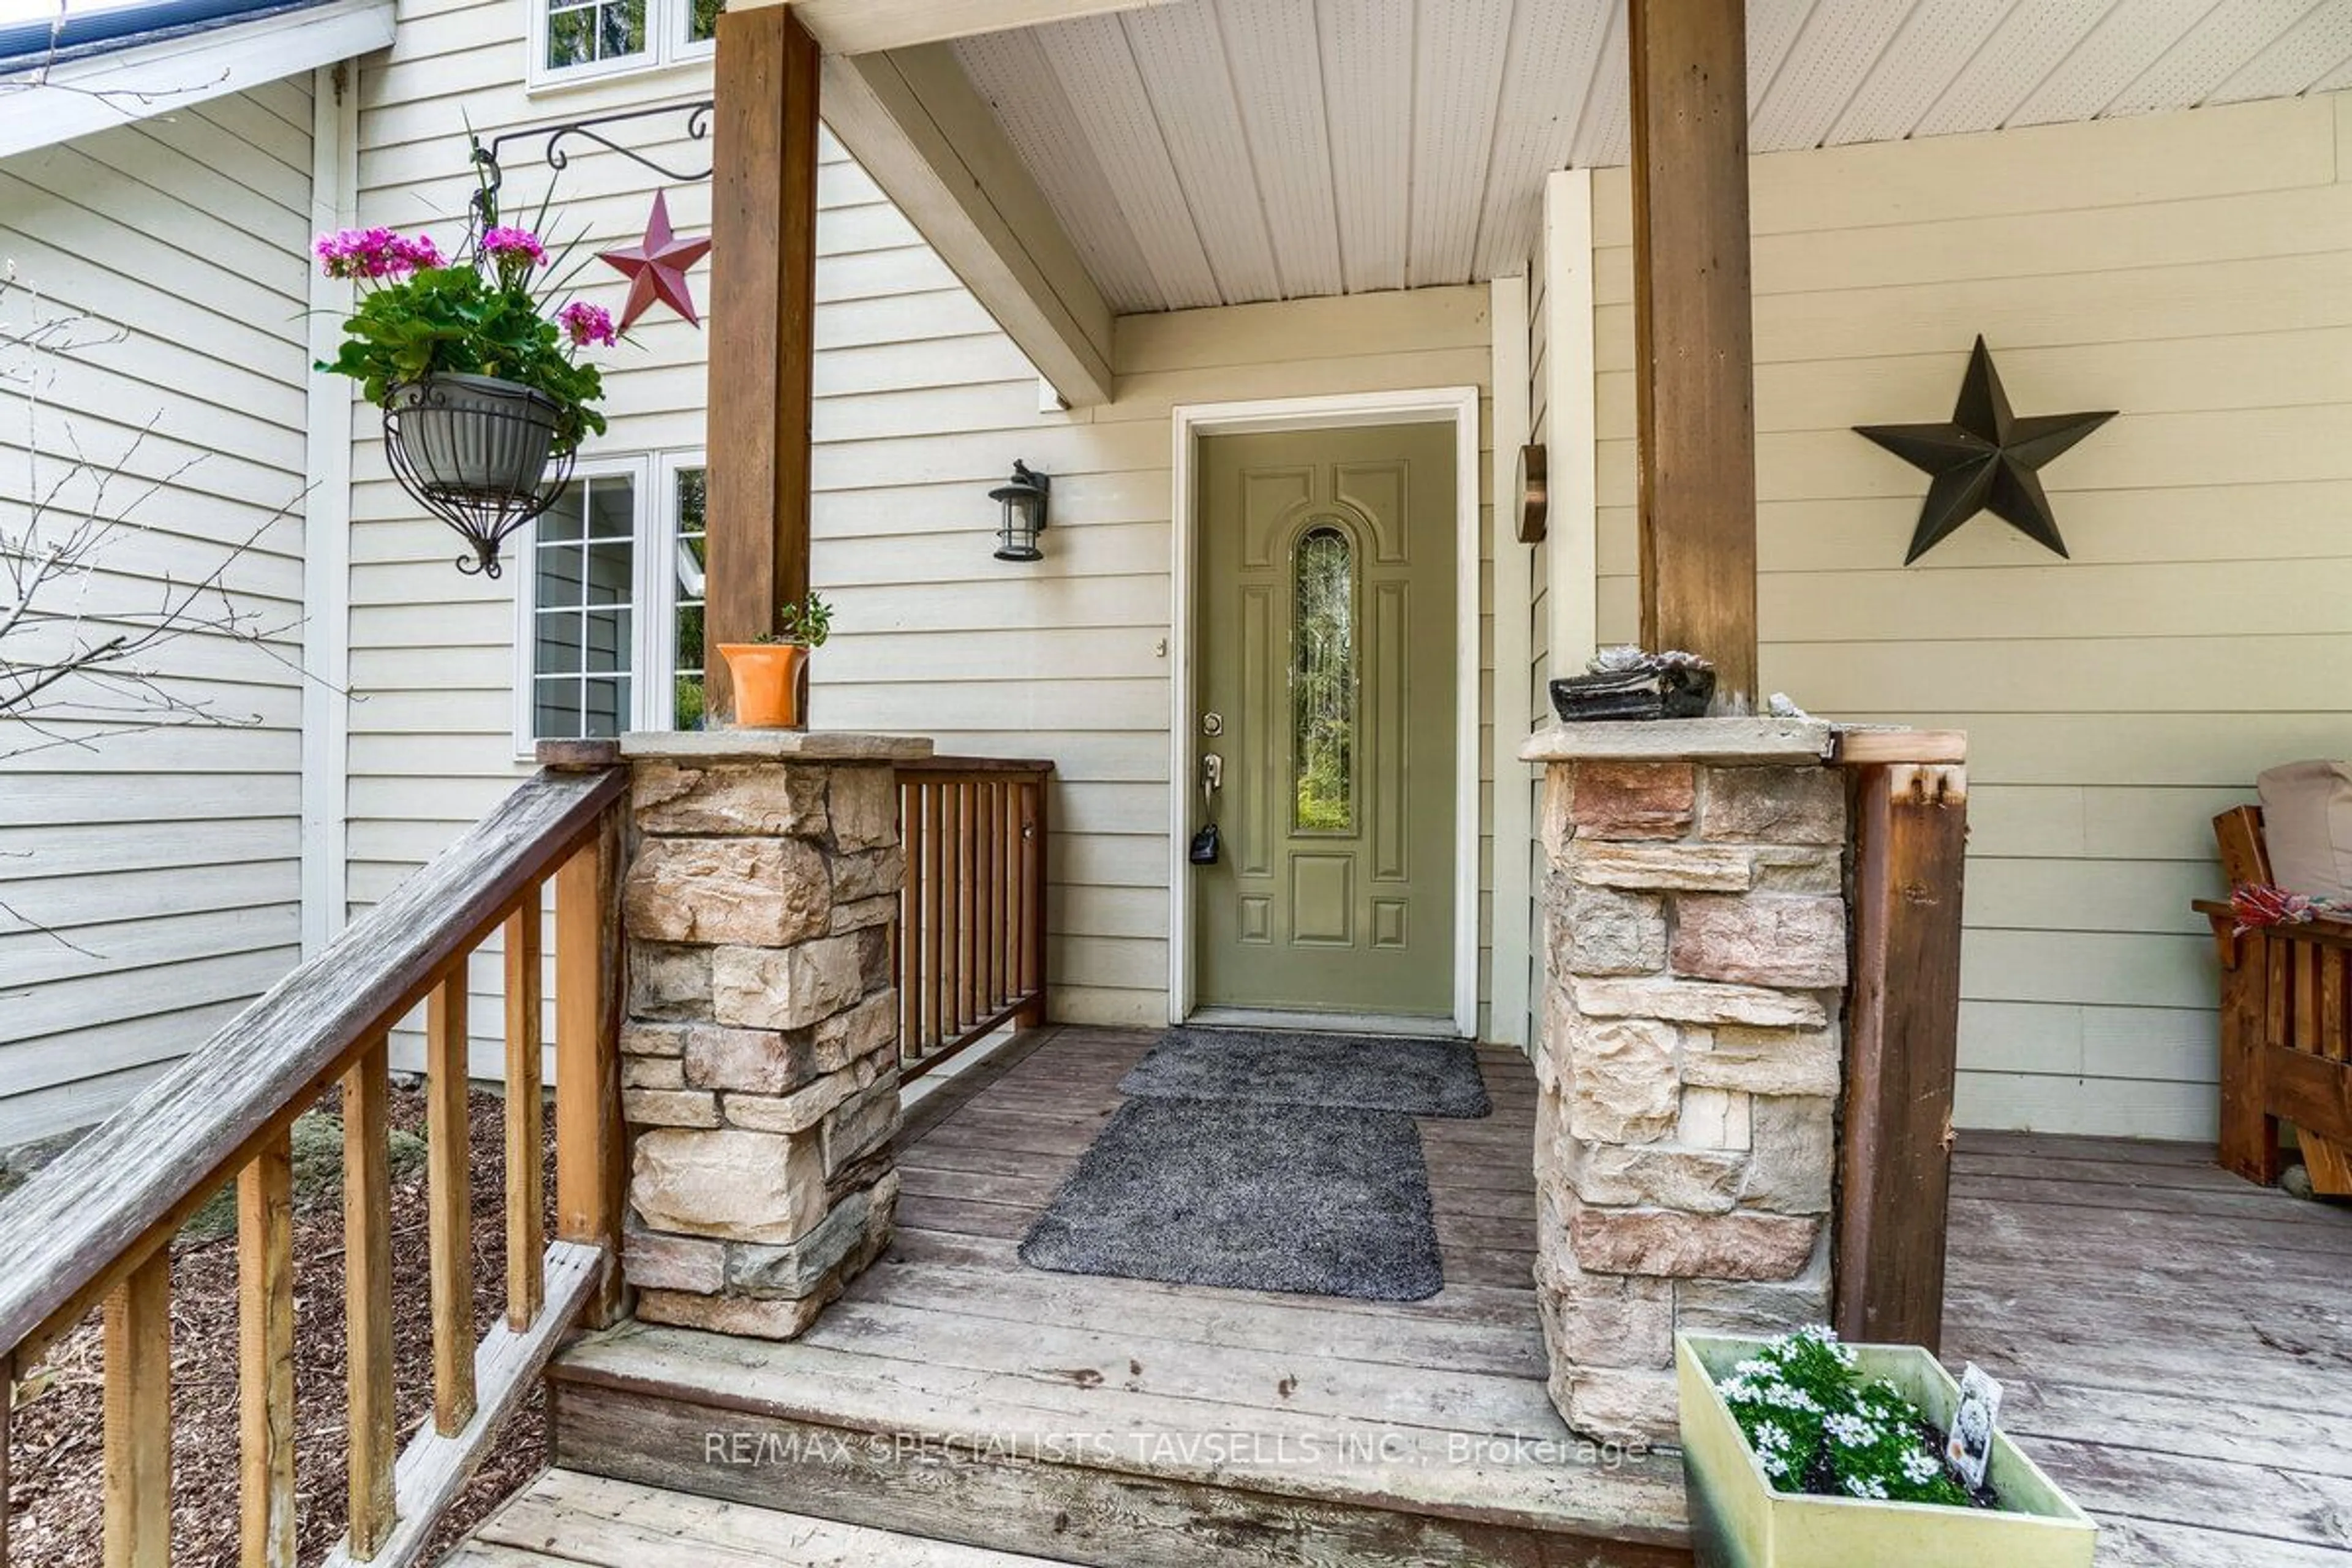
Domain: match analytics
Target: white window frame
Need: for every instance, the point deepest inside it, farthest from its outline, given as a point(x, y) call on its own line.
point(652, 661)
point(666, 45)
point(663, 607)
point(645, 655)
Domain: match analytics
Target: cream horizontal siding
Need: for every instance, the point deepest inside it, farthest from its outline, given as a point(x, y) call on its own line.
point(922, 405)
point(1066, 659)
point(2189, 270)
point(166, 864)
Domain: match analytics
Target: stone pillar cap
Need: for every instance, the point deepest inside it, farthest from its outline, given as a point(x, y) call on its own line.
point(771, 745)
point(1723, 742)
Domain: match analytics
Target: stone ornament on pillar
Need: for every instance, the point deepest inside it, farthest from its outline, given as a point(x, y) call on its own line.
point(760, 1066)
point(1689, 1058)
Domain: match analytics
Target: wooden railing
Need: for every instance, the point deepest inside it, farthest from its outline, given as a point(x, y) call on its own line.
point(971, 914)
point(97, 1225)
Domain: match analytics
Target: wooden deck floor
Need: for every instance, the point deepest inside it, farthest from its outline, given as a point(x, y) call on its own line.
point(2176, 1344)
point(2172, 1340)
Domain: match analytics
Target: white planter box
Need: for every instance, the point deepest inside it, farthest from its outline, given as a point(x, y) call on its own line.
point(1739, 1520)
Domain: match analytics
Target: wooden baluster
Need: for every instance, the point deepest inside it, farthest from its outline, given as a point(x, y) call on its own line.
point(1033, 907)
point(449, 1201)
point(966, 906)
point(367, 1295)
point(526, 1113)
point(8, 1394)
point(588, 1176)
point(991, 930)
point(910, 924)
point(2332, 1021)
point(265, 1356)
point(1008, 892)
point(138, 1417)
point(934, 914)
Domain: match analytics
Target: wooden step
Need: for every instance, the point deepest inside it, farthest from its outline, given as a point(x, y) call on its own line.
point(566, 1520)
point(1078, 1469)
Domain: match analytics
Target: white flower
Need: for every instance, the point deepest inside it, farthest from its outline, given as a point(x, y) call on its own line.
point(1771, 1439)
point(1851, 1430)
point(1753, 1367)
point(1737, 1391)
point(1918, 1468)
point(1866, 1487)
point(1788, 1398)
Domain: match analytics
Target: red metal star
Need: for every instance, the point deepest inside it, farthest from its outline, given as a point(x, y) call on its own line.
point(657, 267)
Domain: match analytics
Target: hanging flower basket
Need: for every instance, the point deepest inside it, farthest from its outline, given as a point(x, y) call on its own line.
point(485, 396)
point(479, 452)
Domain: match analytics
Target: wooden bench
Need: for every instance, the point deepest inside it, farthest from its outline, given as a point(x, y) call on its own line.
point(2286, 1015)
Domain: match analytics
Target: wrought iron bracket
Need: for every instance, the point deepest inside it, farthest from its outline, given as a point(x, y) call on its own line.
point(491, 157)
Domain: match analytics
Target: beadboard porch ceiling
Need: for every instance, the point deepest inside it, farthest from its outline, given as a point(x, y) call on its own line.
point(1220, 151)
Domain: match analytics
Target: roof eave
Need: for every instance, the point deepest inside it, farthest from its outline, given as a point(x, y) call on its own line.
point(76, 96)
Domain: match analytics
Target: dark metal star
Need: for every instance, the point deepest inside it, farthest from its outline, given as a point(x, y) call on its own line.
point(1984, 459)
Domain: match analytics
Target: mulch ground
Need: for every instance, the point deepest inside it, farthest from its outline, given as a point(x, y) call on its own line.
point(56, 1495)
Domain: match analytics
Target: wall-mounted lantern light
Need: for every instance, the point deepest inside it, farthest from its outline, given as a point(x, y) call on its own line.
point(1023, 497)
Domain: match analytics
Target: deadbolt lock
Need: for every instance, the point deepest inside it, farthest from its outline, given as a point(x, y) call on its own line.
point(1213, 723)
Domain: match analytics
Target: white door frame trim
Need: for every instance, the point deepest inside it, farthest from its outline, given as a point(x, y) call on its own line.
point(1455, 404)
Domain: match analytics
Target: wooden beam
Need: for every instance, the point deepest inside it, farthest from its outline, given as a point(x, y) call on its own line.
point(861, 27)
point(1902, 1051)
point(763, 342)
point(915, 124)
point(1694, 336)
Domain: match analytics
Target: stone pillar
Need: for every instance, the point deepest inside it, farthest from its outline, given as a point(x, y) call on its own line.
point(760, 1069)
point(1689, 1057)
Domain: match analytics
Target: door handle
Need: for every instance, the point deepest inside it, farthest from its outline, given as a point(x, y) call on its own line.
point(1213, 772)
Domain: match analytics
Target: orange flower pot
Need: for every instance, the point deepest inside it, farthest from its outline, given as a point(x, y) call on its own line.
point(767, 683)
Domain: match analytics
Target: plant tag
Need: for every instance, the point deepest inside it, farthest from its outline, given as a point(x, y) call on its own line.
point(1969, 1448)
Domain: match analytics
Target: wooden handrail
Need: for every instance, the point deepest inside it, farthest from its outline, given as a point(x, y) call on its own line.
point(97, 1223)
point(971, 933)
point(94, 1214)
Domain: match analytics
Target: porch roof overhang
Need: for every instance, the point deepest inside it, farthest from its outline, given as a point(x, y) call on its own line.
point(1079, 160)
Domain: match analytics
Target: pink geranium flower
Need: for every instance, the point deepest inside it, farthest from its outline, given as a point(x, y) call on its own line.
point(374, 253)
point(586, 323)
point(516, 245)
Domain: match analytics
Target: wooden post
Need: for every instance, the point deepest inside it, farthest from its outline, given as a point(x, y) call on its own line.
point(1034, 929)
point(138, 1417)
point(367, 1296)
point(762, 309)
point(265, 1361)
point(526, 1180)
point(1901, 1050)
point(450, 1201)
point(589, 1177)
point(1694, 337)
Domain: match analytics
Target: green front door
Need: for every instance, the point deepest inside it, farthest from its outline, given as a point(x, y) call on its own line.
point(1325, 605)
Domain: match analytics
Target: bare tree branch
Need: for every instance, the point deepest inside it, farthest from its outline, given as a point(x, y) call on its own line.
point(93, 645)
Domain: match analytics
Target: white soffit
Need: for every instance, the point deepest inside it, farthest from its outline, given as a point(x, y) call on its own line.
point(1219, 152)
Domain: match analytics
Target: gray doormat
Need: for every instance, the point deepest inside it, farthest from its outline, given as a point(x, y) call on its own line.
point(1313, 1199)
point(1419, 1076)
